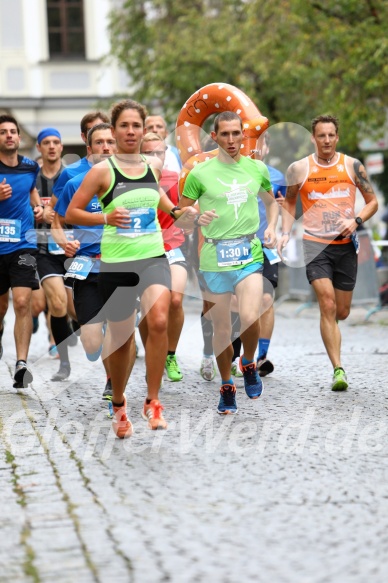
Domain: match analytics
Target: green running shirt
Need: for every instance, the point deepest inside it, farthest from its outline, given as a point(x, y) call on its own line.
point(232, 190)
point(140, 195)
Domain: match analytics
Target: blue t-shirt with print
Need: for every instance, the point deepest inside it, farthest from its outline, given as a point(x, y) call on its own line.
point(89, 237)
point(278, 183)
point(16, 216)
point(70, 172)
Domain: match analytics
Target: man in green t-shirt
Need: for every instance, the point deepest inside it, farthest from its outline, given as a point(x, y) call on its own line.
point(231, 258)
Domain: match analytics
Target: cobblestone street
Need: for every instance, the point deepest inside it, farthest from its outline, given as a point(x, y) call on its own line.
point(293, 489)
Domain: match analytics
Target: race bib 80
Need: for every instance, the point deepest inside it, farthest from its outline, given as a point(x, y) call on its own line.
point(80, 267)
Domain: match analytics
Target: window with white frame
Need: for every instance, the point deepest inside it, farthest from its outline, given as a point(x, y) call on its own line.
point(66, 31)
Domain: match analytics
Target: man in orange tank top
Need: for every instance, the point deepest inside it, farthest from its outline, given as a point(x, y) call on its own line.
point(327, 182)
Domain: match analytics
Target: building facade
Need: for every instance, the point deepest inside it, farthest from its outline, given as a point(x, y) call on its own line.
point(55, 65)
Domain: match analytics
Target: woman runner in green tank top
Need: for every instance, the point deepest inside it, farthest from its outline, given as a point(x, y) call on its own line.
point(132, 247)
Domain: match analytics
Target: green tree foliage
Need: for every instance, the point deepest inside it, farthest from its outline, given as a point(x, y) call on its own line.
point(295, 59)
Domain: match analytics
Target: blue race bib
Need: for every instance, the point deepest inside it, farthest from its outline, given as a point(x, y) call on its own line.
point(175, 255)
point(54, 248)
point(142, 223)
point(272, 255)
point(80, 267)
point(233, 252)
point(10, 230)
point(355, 241)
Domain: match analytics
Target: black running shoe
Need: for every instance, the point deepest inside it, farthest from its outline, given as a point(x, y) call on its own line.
point(62, 374)
point(22, 377)
point(107, 394)
point(264, 367)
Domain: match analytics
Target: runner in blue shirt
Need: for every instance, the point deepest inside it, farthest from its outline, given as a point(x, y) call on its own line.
point(62, 291)
point(18, 195)
point(83, 271)
point(83, 165)
point(270, 278)
point(271, 268)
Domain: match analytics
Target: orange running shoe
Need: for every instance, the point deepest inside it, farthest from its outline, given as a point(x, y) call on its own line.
point(152, 413)
point(121, 425)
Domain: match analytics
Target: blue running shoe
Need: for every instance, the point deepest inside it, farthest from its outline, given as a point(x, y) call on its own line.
point(227, 404)
point(252, 382)
point(53, 351)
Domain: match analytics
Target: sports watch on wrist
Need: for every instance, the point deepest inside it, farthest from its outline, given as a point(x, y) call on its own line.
point(172, 211)
point(358, 221)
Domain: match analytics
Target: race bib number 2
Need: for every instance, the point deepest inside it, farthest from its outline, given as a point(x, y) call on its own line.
point(142, 223)
point(10, 230)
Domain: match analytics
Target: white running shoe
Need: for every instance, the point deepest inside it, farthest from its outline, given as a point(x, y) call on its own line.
point(236, 372)
point(208, 368)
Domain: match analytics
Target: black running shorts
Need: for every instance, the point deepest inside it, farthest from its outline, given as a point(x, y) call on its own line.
point(335, 262)
point(122, 283)
point(51, 265)
point(18, 269)
point(270, 276)
point(88, 300)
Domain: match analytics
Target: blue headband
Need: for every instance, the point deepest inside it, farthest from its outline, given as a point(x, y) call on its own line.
point(48, 132)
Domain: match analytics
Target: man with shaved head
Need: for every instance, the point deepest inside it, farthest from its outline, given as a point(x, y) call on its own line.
point(157, 125)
